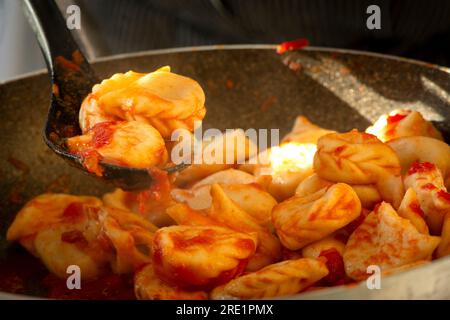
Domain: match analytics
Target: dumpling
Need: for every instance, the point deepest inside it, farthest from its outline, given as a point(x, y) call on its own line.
point(148, 286)
point(67, 230)
point(131, 237)
point(387, 240)
point(241, 189)
point(162, 99)
point(224, 151)
point(200, 257)
point(304, 131)
point(427, 182)
point(410, 209)
point(132, 144)
point(300, 220)
point(280, 279)
point(422, 149)
point(283, 167)
point(367, 193)
point(225, 211)
point(145, 203)
point(45, 210)
point(403, 123)
point(360, 158)
point(444, 247)
point(330, 251)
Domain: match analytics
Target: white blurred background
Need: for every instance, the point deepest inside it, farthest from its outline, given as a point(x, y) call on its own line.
point(19, 50)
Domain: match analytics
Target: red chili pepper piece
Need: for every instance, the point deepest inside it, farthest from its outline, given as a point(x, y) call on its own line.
point(292, 45)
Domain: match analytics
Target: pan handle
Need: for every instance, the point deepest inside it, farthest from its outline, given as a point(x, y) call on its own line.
point(53, 35)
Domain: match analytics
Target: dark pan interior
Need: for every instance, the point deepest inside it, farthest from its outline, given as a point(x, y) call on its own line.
point(246, 87)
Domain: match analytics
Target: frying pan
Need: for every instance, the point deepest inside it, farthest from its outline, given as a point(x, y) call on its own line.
point(246, 86)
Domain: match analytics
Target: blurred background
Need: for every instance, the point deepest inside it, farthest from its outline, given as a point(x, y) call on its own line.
point(411, 28)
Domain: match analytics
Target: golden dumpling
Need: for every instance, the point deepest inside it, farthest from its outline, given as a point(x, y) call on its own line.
point(304, 131)
point(227, 212)
point(301, 220)
point(367, 193)
point(360, 158)
point(410, 209)
point(151, 207)
point(387, 240)
point(249, 197)
point(422, 149)
point(45, 210)
point(403, 123)
point(427, 182)
point(132, 144)
point(280, 279)
point(162, 99)
point(444, 247)
point(199, 257)
point(65, 230)
point(148, 286)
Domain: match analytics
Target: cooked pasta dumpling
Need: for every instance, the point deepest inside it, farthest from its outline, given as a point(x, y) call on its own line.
point(314, 249)
point(150, 204)
point(301, 220)
point(427, 182)
point(148, 286)
point(66, 230)
point(132, 144)
point(280, 279)
point(360, 158)
point(283, 167)
point(403, 123)
point(304, 131)
point(444, 246)
point(227, 212)
point(45, 210)
point(162, 99)
point(330, 251)
point(387, 240)
point(200, 257)
point(422, 149)
point(238, 185)
point(217, 153)
point(367, 193)
point(410, 209)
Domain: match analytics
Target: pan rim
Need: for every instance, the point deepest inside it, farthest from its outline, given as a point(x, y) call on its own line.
point(218, 47)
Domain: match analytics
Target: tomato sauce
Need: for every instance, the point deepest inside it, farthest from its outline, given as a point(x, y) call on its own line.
point(420, 167)
point(158, 191)
point(339, 150)
point(335, 265)
point(91, 161)
point(73, 211)
point(351, 227)
point(415, 207)
point(107, 287)
point(102, 134)
point(21, 273)
point(74, 237)
point(67, 64)
point(429, 186)
point(395, 118)
point(444, 195)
